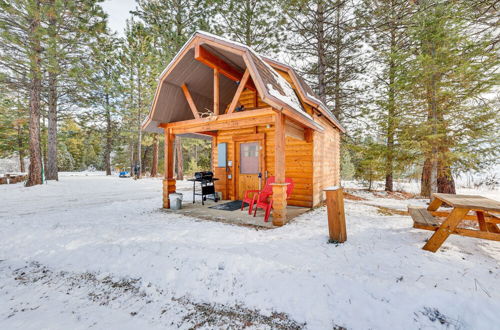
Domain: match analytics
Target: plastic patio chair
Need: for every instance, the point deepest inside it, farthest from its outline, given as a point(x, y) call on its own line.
point(250, 195)
point(264, 200)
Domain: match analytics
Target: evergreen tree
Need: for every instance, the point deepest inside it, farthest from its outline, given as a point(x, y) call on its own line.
point(323, 36)
point(255, 23)
point(71, 25)
point(451, 76)
point(139, 62)
point(105, 94)
point(386, 22)
point(13, 125)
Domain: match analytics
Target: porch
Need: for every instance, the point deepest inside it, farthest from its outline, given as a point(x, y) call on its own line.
point(247, 148)
point(236, 217)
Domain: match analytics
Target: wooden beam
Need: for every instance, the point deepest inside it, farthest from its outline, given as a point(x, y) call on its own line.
point(220, 118)
point(280, 186)
point(216, 91)
point(214, 134)
point(223, 125)
point(240, 89)
point(190, 101)
point(279, 145)
point(308, 135)
point(204, 56)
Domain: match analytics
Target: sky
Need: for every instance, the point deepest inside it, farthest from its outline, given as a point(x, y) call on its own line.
point(118, 12)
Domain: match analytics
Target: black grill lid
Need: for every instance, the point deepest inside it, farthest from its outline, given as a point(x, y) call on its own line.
point(205, 175)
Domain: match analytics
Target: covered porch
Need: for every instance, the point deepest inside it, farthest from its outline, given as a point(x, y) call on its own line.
point(210, 212)
point(266, 128)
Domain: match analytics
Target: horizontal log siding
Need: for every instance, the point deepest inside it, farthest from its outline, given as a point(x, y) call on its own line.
point(298, 157)
point(326, 159)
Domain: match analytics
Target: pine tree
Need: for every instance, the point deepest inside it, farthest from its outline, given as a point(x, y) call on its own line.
point(323, 36)
point(105, 93)
point(13, 125)
point(139, 60)
point(71, 25)
point(386, 22)
point(255, 23)
point(450, 75)
point(21, 35)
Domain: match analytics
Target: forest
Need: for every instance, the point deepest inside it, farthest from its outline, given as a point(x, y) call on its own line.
point(414, 82)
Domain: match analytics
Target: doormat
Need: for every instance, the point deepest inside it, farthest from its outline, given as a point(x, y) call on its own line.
point(229, 206)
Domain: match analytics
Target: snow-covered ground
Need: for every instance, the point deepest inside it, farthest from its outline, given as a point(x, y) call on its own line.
point(96, 252)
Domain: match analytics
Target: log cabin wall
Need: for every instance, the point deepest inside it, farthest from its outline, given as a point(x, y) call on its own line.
point(313, 166)
point(298, 157)
point(326, 159)
point(326, 154)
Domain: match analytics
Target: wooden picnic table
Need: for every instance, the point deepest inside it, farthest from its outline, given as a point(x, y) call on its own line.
point(483, 211)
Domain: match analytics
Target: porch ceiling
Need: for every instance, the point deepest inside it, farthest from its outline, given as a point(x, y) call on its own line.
point(172, 104)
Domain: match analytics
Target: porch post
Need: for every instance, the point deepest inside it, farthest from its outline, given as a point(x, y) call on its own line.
point(279, 187)
point(216, 92)
point(168, 181)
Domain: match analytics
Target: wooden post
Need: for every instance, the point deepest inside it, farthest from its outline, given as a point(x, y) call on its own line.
point(279, 187)
point(216, 91)
point(169, 181)
point(336, 215)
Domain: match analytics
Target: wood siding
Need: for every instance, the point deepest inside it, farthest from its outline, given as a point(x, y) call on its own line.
point(326, 159)
point(298, 159)
point(313, 166)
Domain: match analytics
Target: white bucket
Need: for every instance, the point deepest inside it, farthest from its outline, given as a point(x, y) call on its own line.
point(175, 201)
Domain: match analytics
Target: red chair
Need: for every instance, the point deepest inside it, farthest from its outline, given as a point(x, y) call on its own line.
point(268, 189)
point(264, 199)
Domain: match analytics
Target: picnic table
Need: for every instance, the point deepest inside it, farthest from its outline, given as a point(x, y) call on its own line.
point(464, 207)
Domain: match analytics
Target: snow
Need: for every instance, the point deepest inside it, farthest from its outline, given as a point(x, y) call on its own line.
point(97, 251)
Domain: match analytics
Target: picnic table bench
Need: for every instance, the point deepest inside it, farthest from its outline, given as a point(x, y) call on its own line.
point(12, 178)
point(483, 211)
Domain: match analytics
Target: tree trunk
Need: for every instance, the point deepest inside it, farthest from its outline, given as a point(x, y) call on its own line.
point(321, 51)
point(445, 182)
point(52, 129)
point(179, 158)
point(132, 158)
point(35, 168)
point(144, 159)
point(139, 130)
point(337, 108)
point(425, 181)
point(107, 149)
point(391, 108)
point(51, 168)
point(20, 148)
point(21, 162)
point(154, 164)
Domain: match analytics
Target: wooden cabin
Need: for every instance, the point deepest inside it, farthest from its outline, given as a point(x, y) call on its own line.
point(263, 119)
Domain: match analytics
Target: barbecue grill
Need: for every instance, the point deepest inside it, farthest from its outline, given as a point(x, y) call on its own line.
point(206, 180)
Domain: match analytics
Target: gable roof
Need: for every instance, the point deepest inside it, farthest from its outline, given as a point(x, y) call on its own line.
point(170, 104)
